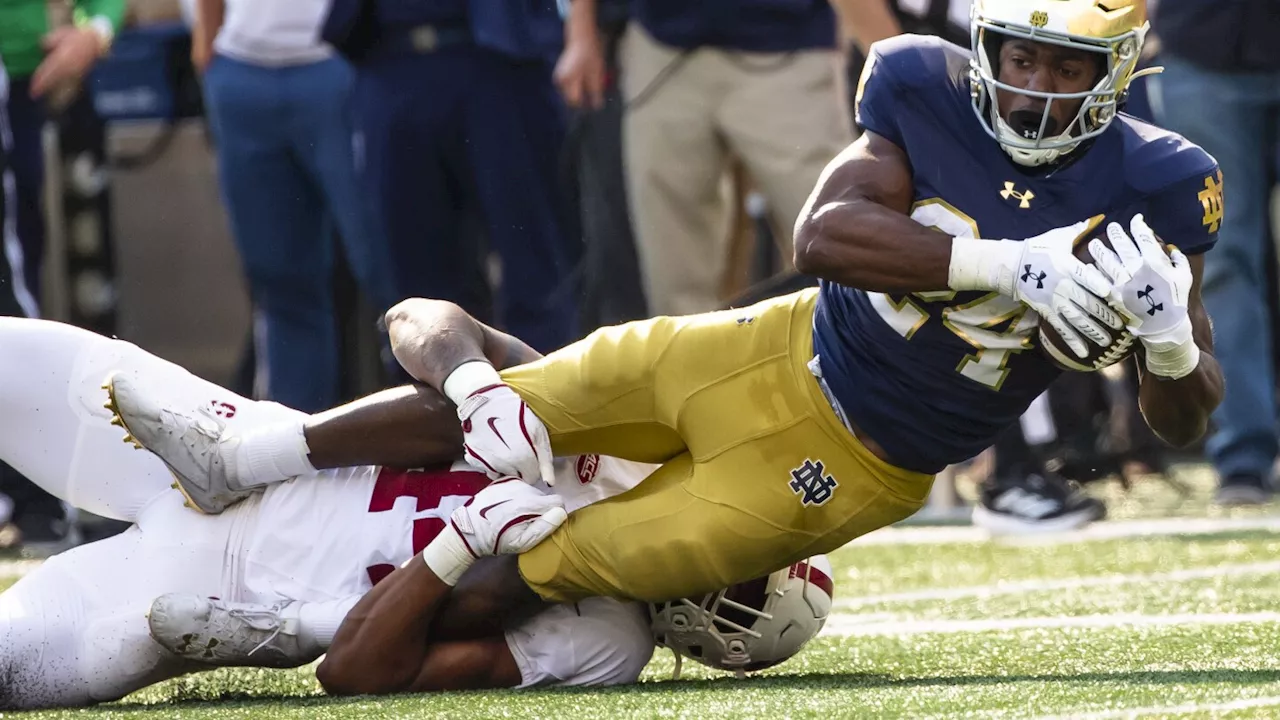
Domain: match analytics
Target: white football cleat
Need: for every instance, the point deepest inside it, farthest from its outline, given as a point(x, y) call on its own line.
point(195, 446)
point(227, 634)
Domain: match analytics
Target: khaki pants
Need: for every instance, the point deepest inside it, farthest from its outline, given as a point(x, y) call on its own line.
point(781, 113)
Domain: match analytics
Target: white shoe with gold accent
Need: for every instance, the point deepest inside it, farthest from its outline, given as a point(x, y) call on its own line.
point(195, 446)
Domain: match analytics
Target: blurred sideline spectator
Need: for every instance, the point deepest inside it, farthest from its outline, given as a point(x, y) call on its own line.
point(9, 303)
point(45, 64)
point(702, 81)
point(1221, 89)
point(457, 118)
point(948, 19)
point(278, 102)
point(587, 76)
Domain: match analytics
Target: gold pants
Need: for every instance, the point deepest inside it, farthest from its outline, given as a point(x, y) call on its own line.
point(757, 470)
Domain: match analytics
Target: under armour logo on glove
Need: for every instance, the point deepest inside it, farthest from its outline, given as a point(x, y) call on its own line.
point(1152, 305)
point(1139, 267)
point(1028, 275)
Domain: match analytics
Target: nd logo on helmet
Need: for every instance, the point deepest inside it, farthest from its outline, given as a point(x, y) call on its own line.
point(1039, 18)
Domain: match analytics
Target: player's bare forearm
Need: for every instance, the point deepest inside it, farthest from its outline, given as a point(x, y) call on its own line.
point(382, 643)
point(431, 338)
point(413, 633)
point(855, 229)
point(409, 426)
point(1178, 410)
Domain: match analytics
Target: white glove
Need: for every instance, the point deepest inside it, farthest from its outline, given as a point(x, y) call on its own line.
point(506, 518)
point(1151, 291)
point(1042, 273)
point(501, 436)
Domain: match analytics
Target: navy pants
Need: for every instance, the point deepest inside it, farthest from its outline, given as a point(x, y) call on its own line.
point(467, 133)
point(26, 120)
point(287, 173)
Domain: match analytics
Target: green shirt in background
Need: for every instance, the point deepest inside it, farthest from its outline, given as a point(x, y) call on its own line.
point(24, 22)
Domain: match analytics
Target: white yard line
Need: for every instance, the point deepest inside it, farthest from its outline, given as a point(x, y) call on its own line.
point(846, 625)
point(1109, 530)
point(1030, 586)
point(1233, 706)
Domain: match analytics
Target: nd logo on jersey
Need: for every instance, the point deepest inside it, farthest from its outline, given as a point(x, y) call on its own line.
point(812, 483)
point(1211, 201)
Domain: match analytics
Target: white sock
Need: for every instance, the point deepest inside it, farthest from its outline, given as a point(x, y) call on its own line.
point(319, 622)
point(1037, 422)
point(272, 453)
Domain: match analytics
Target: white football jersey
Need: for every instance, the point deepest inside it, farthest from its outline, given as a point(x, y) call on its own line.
point(339, 532)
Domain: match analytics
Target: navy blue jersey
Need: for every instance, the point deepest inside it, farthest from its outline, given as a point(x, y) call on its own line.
point(934, 377)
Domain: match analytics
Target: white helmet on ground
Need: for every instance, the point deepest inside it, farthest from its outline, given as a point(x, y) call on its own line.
point(751, 625)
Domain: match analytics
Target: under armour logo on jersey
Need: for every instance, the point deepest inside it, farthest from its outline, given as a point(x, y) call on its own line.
point(1152, 305)
point(812, 484)
point(1024, 198)
point(1039, 277)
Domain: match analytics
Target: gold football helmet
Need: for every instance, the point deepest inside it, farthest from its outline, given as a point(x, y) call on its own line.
point(1115, 29)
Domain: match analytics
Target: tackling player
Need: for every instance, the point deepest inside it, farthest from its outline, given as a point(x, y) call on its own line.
point(792, 426)
point(289, 568)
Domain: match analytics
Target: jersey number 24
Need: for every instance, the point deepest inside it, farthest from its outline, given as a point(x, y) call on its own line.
point(976, 322)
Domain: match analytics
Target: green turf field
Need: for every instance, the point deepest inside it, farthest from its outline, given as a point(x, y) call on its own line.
point(1169, 609)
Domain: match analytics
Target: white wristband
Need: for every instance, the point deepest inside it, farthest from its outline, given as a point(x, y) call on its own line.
point(448, 556)
point(467, 378)
point(983, 264)
point(1176, 357)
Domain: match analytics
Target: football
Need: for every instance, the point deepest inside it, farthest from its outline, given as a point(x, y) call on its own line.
point(1059, 353)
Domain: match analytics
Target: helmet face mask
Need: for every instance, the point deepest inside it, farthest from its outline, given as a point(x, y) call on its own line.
point(1113, 34)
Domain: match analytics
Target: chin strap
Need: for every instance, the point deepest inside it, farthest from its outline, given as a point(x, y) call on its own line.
point(1144, 72)
point(679, 662)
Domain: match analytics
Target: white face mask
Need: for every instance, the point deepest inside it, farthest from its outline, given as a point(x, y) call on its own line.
point(1030, 145)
